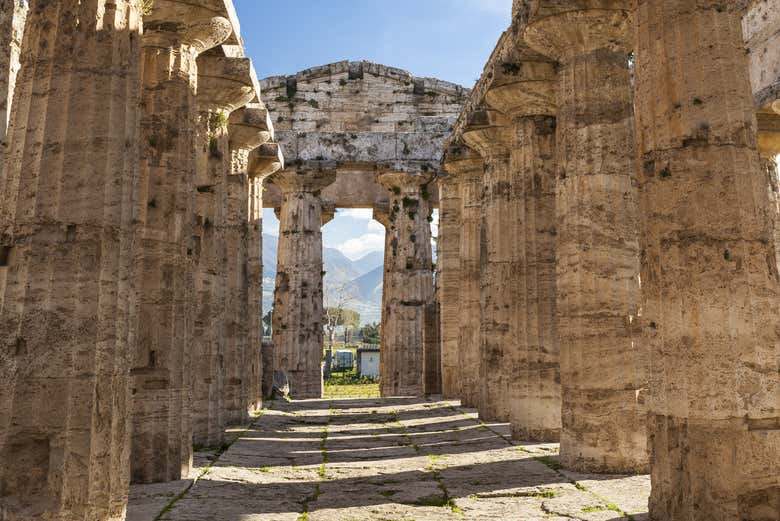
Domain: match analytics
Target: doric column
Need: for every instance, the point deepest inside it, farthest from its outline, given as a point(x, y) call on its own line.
point(449, 282)
point(162, 395)
point(250, 127)
point(488, 134)
point(523, 88)
point(224, 84)
point(297, 320)
point(68, 253)
point(408, 283)
point(710, 283)
point(467, 166)
point(602, 359)
point(12, 16)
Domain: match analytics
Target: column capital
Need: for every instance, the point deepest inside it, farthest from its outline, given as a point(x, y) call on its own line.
point(225, 83)
point(305, 176)
point(174, 23)
point(328, 212)
point(462, 162)
point(487, 132)
point(249, 127)
point(265, 160)
point(567, 28)
point(768, 134)
point(403, 181)
point(381, 213)
point(523, 81)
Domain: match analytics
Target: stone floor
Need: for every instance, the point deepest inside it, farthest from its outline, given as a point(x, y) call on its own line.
point(389, 459)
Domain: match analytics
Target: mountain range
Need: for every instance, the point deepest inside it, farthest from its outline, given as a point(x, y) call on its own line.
point(358, 283)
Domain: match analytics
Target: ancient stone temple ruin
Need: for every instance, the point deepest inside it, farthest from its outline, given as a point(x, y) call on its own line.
point(598, 338)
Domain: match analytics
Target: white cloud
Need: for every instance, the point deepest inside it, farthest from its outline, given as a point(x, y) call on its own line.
point(270, 223)
point(357, 248)
point(363, 214)
point(375, 226)
point(435, 223)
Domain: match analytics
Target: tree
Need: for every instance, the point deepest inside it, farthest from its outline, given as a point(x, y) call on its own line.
point(371, 333)
point(334, 311)
point(267, 320)
point(349, 319)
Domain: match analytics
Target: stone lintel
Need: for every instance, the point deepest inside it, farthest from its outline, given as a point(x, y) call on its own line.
point(224, 83)
point(249, 127)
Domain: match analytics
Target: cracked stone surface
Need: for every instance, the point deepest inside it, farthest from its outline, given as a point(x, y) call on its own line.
point(396, 459)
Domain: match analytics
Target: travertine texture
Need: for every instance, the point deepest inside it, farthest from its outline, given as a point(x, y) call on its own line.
point(12, 17)
point(487, 133)
point(298, 308)
point(162, 366)
point(249, 128)
point(359, 114)
point(449, 283)
point(602, 358)
point(220, 398)
point(67, 263)
point(467, 166)
point(709, 280)
point(432, 365)
point(408, 283)
point(521, 84)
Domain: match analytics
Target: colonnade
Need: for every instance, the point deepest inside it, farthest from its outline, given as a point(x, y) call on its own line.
point(131, 192)
point(626, 255)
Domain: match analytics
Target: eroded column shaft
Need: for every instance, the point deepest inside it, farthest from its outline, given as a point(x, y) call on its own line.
point(12, 17)
point(255, 291)
point(449, 281)
point(710, 283)
point(602, 359)
point(68, 255)
point(535, 388)
point(408, 284)
point(298, 306)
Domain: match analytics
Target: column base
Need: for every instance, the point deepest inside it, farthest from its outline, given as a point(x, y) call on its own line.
point(536, 435)
point(305, 385)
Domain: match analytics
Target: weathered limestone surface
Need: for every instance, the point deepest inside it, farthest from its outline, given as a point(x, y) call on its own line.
point(360, 114)
point(67, 263)
point(602, 359)
point(710, 283)
point(13, 14)
point(298, 308)
point(250, 127)
point(162, 384)
point(449, 283)
point(397, 459)
point(465, 164)
point(432, 364)
point(522, 85)
point(224, 83)
point(487, 133)
point(408, 283)
point(761, 32)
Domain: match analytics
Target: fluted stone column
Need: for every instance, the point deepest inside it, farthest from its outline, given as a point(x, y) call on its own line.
point(162, 392)
point(68, 255)
point(523, 88)
point(449, 281)
point(487, 133)
point(602, 357)
point(408, 283)
point(249, 128)
point(467, 166)
point(297, 319)
point(710, 285)
point(13, 14)
point(224, 84)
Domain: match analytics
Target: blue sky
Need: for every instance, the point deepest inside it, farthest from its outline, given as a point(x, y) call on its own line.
point(446, 39)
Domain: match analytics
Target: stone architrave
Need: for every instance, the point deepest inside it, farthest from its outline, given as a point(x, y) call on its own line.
point(298, 304)
point(467, 166)
point(219, 398)
point(162, 365)
point(709, 279)
point(449, 282)
point(602, 357)
point(487, 133)
point(408, 283)
point(250, 127)
point(522, 86)
point(68, 259)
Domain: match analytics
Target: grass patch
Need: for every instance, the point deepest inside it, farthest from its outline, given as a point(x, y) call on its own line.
point(370, 390)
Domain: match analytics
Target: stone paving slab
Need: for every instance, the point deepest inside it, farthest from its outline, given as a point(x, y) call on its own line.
point(386, 460)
